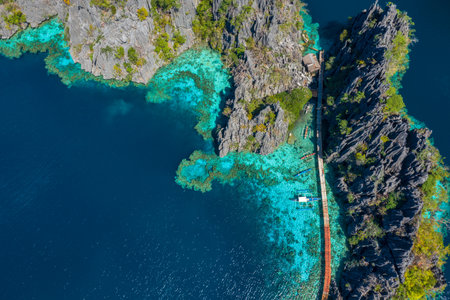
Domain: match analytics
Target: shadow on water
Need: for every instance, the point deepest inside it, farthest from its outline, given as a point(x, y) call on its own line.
point(317, 175)
point(331, 180)
point(330, 32)
point(330, 177)
point(322, 239)
point(221, 119)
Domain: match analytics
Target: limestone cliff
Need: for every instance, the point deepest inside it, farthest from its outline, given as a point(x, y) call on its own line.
point(380, 163)
point(130, 40)
point(270, 63)
point(96, 32)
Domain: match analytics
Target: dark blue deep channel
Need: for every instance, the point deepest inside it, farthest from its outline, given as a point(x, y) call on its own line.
point(89, 208)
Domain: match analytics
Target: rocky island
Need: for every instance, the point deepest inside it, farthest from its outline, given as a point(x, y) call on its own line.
point(387, 177)
point(386, 170)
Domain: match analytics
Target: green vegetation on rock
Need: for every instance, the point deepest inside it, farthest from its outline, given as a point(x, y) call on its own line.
point(162, 47)
point(104, 5)
point(133, 57)
point(142, 13)
point(291, 102)
point(166, 45)
point(384, 139)
point(178, 39)
point(208, 29)
point(117, 71)
point(211, 30)
point(394, 104)
point(15, 18)
point(166, 5)
point(344, 129)
point(354, 98)
point(398, 55)
point(429, 249)
point(370, 230)
point(108, 50)
point(343, 35)
point(394, 101)
point(120, 52)
point(417, 283)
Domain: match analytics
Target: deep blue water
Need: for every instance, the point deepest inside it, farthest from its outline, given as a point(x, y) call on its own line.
point(89, 206)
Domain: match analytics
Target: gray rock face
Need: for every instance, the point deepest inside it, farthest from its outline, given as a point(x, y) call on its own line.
point(36, 12)
point(124, 29)
point(92, 29)
point(272, 65)
point(378, 264)
point(258, 134)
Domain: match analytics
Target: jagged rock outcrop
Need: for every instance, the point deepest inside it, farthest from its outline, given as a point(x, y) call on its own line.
point(271, 63)
point(248, 136)
point(375, 156)
point(95, 33)
point(267, 31)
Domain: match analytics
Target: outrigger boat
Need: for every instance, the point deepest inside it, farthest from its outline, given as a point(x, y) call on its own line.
point(303, 199)
point(308, 155)
point(303, 172)
point(306, 132)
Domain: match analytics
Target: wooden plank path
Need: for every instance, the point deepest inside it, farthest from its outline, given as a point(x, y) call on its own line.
point(323, 189)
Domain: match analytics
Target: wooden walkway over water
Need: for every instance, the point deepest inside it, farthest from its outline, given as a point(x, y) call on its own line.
point(323, 189)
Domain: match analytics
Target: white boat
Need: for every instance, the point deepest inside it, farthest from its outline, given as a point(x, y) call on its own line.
point(302, 199)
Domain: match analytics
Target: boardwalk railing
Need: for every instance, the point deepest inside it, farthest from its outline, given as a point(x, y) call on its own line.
point(323, 189)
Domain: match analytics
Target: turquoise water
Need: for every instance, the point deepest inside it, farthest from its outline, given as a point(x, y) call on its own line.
point(197, 78)
point(194, 84)
point(312, 31)
point(48, 38)
point(293, 228)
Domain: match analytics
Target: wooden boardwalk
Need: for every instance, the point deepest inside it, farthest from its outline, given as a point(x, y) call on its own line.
point(323, 189)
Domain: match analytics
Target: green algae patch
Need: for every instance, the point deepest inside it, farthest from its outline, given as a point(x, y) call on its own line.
point(195, 80)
